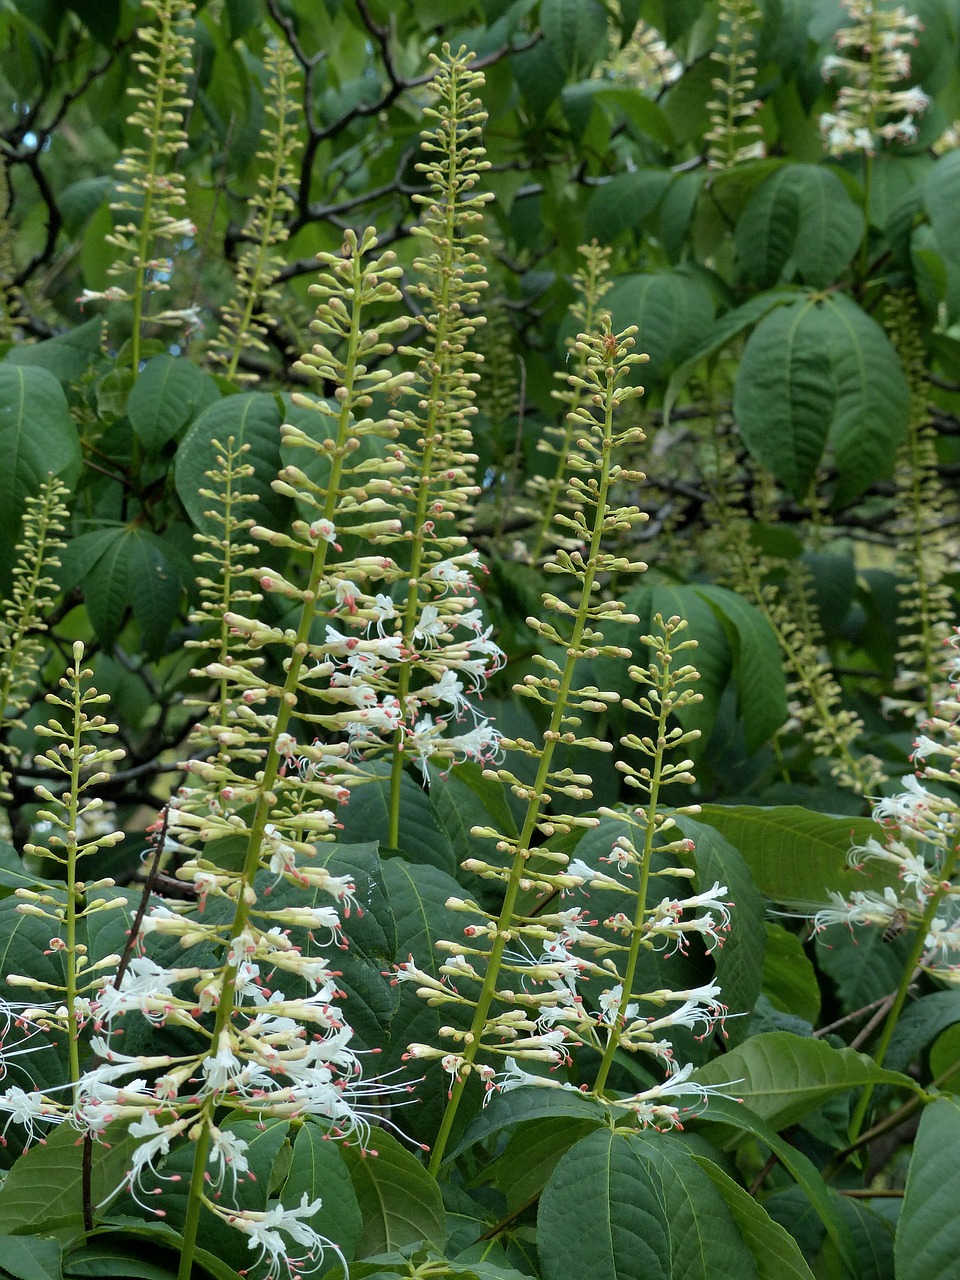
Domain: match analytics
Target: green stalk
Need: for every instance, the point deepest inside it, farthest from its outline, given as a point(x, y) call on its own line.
point(613, 1039)
point(70, 1000)
point(535, 802)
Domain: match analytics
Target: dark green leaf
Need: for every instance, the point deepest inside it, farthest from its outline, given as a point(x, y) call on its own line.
point(67, 356)
point(705, 1242)
point(44, 1187)
point(526, 1104)
point(400, 1202)
point(31, 1258)
point(37, 438)
point(169, 392)
point(673, 312)
point(928, 1231)
point(775, 1252)
point(801, 222)
point(603, 1215)
point(739, 960)
point(789, 978)
point(821, 369)
point(575, 32)
point(623, 203)
point(919, 1024)
point(757, 665)
point(252, 419)
point(798, 857)
point(319, 1171)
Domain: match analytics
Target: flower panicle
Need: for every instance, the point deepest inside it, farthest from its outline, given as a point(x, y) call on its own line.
point(22, 620)
point(735, 136)
point(924, 546)
point(591, 282)
point(873, 106)
point(516, 975)
point(918, 835)
point(150, 192)
point(259, 264)
point(76, 825)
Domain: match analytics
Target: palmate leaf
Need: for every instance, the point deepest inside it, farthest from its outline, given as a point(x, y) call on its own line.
point(318, 1170)
point(672, 310)
point(799, 221)
point(815, 370)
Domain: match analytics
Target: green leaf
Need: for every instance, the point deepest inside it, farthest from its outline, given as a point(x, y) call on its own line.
point(44, 1187)
point(739, 961)
point(723, 1111)
point(642, 112)
point(169, 392)
point(31, 1258)
point(623, 203)
point(369, 930)
point(863, 967)
point(161, 1235)
point(673, 312)
point(575, 32)
point(815, 369)
point(418, 896)
point(602, 1215)
point(782, 1077)
point(400, 1202)
point(705, 1241)
point(12, 873)
point(422, 838)
point(531, 1155)
point(927, 1242)
point(252, 419)
point(919, 1024)
point(108, 1256)
point(721, 332)
point(941, 197)
point(120, 567)
point(318, 1170)
point(789, 978)
point(796, 856)
point(67, 356)
point(37, 438)
point(775, 1252)
point(526, 1104)
point(799, 222)
point(757, 665)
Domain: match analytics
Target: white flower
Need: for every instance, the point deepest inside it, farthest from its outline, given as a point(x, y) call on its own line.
point(227, 1155)
point(324, 529)
point(264, 1234)
point(27, 1109)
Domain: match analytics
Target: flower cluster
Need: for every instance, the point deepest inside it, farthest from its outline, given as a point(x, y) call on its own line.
point(735, 135)
point(873, 58)
point(921, 840)
point(149, 192)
